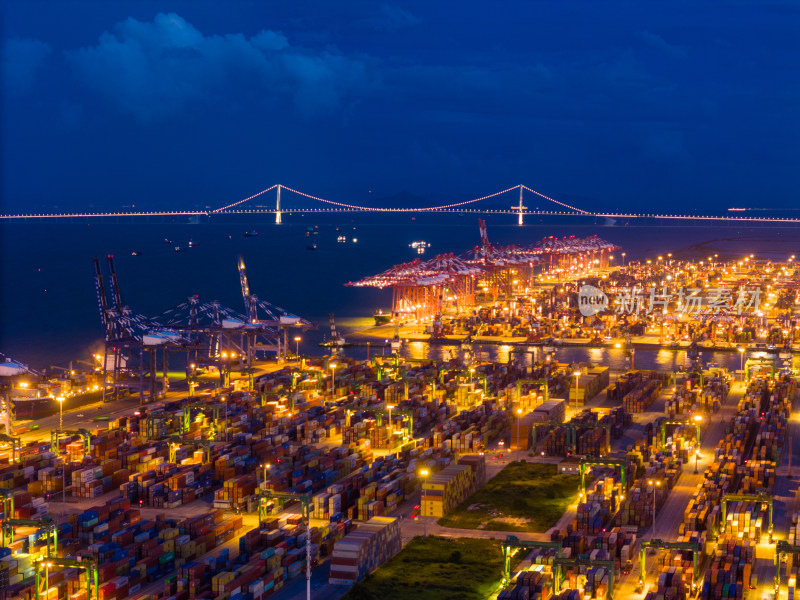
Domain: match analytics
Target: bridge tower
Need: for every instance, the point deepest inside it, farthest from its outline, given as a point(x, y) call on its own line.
point(278, 207)
point(519, 207)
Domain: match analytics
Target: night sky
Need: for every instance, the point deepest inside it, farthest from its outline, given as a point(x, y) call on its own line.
point(605, 105)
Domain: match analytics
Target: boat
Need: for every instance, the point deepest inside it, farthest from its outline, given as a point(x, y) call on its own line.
point(312, 230)
point(192, 244)
point(136, 253)
point(354, 239)
point(178, 249)
point(341, 239)
point(381, 317)
point(420, 246)
point(311, 247)
point(253, 233)
point(167, 241)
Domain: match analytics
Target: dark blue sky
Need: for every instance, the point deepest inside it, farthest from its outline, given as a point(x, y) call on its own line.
point(601, 104)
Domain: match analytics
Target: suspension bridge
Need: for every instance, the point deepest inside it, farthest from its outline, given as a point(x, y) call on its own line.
point(319, 205)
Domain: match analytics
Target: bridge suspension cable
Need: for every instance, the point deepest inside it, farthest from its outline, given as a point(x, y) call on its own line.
point(421, 209)
point(246, 199)
point(525, 187)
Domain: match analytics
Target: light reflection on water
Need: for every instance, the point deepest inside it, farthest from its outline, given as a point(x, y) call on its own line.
point(663, 359)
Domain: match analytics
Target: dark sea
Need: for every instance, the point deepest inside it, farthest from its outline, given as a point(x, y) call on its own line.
point(49, 307)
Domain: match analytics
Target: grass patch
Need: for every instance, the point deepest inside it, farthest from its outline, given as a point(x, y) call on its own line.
point(436, 569)
point(528, 497)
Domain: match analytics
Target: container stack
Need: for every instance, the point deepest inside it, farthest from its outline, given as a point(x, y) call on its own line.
point(365, 549)
point(447, 489)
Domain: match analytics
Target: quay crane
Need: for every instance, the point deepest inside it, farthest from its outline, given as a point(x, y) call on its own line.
point(277, 318)
point(87, 563)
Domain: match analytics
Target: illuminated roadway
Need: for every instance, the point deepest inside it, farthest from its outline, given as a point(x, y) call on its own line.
point(340, 207)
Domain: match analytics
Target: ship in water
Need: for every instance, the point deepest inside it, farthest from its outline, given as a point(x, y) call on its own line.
point(420, 246)
point(252, 233)
point(382, 317)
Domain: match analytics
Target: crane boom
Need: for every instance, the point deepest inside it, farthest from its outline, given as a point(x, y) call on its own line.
point(114, 284)
point(101, 292)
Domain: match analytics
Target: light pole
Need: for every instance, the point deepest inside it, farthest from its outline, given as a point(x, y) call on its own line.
point(297, 339)
point(741, 361)
point(60, 412)
point(225, 402)
point(266, 466)
point(424, 475)
point(623, 259)
point(577, 377)
point(390, 407)
point(333, 378)
point(697, 420)
point(655, 484)
point(519, 419)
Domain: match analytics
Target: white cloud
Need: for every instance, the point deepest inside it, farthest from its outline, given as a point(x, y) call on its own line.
point(157, 69)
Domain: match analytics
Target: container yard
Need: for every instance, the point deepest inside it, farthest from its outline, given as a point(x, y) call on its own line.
point(670, 483)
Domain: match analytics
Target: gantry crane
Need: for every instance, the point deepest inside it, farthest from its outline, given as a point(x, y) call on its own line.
point(608, 462)
point(85, 436)
point(695, 548)
point(7, 497)
point(761, 496)
point(87, 563)
point(782, 548)
point(406, 414)
point(16, 446)
point(513, 543)
point(541, 383)
point(560, 563)
point(46, 523)
point(187, 412)
point(666, 422)
point(179, 441)
point(266, 498)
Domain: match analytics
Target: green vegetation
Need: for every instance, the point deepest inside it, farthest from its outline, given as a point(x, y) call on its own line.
point(433, 568)
point(522, 497)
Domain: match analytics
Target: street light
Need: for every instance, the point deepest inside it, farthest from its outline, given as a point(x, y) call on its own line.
point(577, 376)
point(519, 419)
point(390, 407)
point(60, 412)
point(697, 420)
point(266, 466)
point(333, 377)
point(424, 474)
point(655, 484)
point(297, 339)
point(224, 401)
point(623, 259)
point(741, 361)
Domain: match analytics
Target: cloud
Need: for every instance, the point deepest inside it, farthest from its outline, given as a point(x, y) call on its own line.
point(21, 59)
point(656, 41)
point(157, 69)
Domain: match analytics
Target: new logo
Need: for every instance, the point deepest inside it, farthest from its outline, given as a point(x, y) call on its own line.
point(591, 300)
